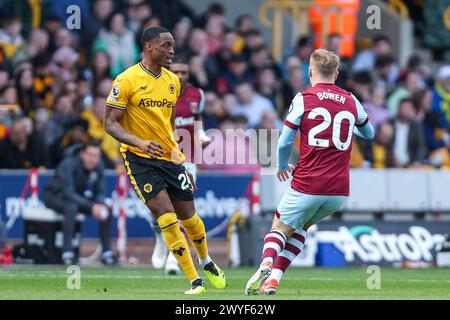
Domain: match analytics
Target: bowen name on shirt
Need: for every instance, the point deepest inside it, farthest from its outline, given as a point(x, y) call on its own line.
point(332, 96)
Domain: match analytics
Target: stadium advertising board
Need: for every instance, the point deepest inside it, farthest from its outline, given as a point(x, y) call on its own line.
point(381, 243)
point(218, 197)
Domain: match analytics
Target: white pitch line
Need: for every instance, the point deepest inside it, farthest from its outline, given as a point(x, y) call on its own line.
point(51, 275)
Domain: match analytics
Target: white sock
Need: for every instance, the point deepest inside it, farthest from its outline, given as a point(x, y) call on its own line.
point(276, 274)
point(205, 261)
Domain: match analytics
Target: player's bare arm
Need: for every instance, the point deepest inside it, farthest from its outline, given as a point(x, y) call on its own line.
point(115, 129)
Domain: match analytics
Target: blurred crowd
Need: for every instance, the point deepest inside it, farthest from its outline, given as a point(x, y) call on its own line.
point(54, 81)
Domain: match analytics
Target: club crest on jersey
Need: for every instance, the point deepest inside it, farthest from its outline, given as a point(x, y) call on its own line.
point(171, 88)
point(148, 187)
point(115, 91)
point(194, 107)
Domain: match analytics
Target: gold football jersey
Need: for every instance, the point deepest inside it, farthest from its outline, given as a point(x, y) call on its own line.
point(148, 100)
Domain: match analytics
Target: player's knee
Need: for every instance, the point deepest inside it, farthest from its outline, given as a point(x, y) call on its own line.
point(279, 225)
point(167, 219)
point(308, 224)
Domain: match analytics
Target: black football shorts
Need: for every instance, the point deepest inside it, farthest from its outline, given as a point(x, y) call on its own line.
point(151, 176)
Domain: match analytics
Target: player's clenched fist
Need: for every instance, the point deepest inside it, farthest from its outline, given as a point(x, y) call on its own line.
point(151, 148)
point(283, 175)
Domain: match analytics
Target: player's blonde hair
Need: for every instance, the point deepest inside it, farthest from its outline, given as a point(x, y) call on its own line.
point(325, 62)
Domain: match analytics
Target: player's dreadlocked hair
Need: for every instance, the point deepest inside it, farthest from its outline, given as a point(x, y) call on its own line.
point(152, 33)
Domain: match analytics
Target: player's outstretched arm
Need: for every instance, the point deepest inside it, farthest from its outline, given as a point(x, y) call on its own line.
point(115, 129)
point(285, 143)
point(365, 132)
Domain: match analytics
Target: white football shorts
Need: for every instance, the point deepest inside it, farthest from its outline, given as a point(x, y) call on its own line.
point(296, 208)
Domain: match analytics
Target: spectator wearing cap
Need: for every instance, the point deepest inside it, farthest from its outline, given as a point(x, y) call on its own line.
point(441, 92)
point(21, 149)
point(251, 104)
point(118, 42)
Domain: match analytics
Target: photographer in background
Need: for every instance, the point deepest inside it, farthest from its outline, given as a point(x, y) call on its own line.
point(78, 187)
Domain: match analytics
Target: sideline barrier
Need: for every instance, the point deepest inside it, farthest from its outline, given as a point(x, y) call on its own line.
point(219, 196)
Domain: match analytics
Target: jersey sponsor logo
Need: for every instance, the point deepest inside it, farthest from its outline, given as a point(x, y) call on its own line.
point(148, 187)
point(182, 121)
point(115, 91)
point(150, 103)
point(172, 88)
point(194, 106)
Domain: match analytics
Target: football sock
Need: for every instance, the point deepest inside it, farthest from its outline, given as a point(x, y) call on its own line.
point(294, 245)
point(195, 230)
point(177, 244)
point(273, 245)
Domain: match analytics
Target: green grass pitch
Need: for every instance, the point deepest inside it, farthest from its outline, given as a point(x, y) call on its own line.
point(33, 282)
